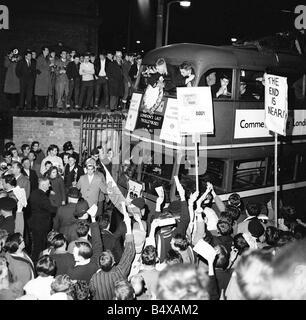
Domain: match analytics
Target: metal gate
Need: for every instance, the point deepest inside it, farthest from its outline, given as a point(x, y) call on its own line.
point(101, 130)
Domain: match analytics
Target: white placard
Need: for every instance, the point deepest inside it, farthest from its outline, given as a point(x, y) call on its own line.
point(276, 103)
point(170, 130)
point(133, 112)
point(134, 191)
point(93, 209)
point(250, 123)
point(160, 191)
point(195, 110)
point(204, 249)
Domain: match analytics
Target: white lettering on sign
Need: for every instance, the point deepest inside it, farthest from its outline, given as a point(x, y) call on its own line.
point(300, 20)
point(276, 103)
point(4, 17)
point(249, 123)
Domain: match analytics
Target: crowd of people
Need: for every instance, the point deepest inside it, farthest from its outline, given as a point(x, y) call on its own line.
point(63, 79)
point(58, 239)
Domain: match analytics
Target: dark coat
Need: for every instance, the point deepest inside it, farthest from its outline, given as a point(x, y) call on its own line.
point(115, 80)
point(43, 78)
point(39, 157)
point(97, 65)
point(70, 176)
point(41, 211)
point(85, 272)
point(24, 182)
point(58, 187)
point(7, 224)
point(24, 72)
point(33, 179)
point(73, 70)
point(64, 217)
point(11, 82)
point(112, 243)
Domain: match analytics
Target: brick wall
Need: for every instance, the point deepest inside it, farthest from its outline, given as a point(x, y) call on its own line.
point(47, 131)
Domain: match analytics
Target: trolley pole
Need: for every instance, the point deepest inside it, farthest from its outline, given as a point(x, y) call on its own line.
point(159, 23)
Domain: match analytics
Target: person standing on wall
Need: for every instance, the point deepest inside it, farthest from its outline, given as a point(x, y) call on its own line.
point(26, 72)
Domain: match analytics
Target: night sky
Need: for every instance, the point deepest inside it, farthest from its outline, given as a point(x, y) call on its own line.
point(208, 22)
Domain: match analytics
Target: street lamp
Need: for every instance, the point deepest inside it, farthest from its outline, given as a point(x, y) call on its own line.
point(184, 4)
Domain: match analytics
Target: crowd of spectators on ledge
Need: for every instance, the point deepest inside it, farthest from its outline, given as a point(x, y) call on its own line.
point(62, 79)
point(58, 240)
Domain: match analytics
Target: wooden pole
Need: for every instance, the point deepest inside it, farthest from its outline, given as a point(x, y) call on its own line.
point(275, 180)
point(196, 140)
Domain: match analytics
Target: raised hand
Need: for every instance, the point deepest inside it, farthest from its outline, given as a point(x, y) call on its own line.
point(193, 197)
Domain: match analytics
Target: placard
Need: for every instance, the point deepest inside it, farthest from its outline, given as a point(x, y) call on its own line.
point(170, 130)
point(135, 189)
point(195, 110)
point(276, 103)
point(133, 111)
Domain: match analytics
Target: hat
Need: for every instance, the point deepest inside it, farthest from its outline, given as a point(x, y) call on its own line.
point(7, 204)
point(81, 208)
point(68, 146)
point(74, 192)
point(139, 203)
point(175, 207)
point(255, 228)
point(90, 162)
point(139, 239)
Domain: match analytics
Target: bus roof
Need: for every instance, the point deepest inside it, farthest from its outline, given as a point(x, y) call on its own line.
point(206, 56)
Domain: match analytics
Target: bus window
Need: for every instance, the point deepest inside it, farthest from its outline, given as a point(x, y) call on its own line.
point(296, 88)
point(249, 174)
point(286, 168)
point(157, 173)
point(251, 85)
point(220, 82)
point(301, 171)
point(213, 174)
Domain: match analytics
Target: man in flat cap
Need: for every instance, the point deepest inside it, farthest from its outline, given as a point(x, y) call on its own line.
point(92, 185)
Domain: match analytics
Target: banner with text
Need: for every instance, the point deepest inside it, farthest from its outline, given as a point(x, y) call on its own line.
point(276, 103)
point(133, 111)
point(250, 123)
point(170, 130)
point(196, 111)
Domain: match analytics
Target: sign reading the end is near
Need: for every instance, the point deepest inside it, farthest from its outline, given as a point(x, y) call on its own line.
point(276, 103)
point(4, 17)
